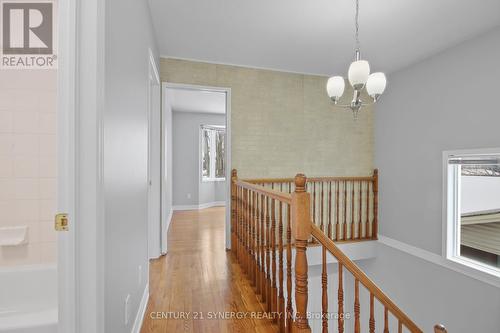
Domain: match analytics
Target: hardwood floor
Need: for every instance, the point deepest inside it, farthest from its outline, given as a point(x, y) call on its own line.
point(198, 278)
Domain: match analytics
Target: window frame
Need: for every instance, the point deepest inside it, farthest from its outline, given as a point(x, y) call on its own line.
point(213, 151)
point(451, 217)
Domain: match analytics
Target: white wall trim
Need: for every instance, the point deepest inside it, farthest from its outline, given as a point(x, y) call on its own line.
point(439, 260)
point(141, 311)
point(165, 56)
point(200, 206)
point(67, 145)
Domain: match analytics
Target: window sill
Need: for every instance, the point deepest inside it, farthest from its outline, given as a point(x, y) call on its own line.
point(474, 270)
point(209, 180)
point(475, 267)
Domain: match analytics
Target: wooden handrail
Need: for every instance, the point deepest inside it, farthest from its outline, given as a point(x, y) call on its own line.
point(363, 279)
point(280, 196)
point(309, 180)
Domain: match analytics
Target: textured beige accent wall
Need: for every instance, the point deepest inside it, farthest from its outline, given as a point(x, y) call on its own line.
point(283, 123)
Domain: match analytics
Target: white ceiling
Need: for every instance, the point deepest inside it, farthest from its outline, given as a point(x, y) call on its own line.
point(316, 36)
point(186, 100)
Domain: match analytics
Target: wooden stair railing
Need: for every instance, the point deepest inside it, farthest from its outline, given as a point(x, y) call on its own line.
point(345, 208)
point(260, 216)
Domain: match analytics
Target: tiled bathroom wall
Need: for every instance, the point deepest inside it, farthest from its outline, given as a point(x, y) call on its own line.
point(28, 163)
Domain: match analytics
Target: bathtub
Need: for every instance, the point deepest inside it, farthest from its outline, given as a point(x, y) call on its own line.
point(28, 299)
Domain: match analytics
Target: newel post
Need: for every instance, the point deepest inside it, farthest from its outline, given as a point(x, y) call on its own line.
point(234, 178)
point(375, 204)
point(301, 228)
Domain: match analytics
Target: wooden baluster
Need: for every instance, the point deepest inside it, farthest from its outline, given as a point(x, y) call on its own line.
point(253, 248)
point(301, 225)
point(247, 208)
point(246, 234)
point(289, 309)
point(337, 213)
point(360, 203)
point(262, 249)
point(258, 244)
point(400, 327)
point(375, 205)
point(236, 225)
point(357, 327)
point(240, 225)
point(322, 225)
point(250, 249)
point(268, 255)
point(352, 211)
point(274, 290)
point(344, 229)
point(386, 320)
point(372, 315)
point(234, 178)
point(330, 210)
point(367, 227)
point(324, 285)
point(341, 300)
point(281, 296)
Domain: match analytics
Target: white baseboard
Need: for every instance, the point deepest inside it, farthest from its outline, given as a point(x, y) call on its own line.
point(202, 206)
point(164, 246)
point(142, 310)
point(439, 260)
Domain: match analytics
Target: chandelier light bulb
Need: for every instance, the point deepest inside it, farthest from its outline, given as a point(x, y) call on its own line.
point(358, 74)
point(376, 84)
point(335, 87)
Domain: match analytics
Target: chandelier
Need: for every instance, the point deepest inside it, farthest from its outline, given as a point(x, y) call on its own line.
point(359, 77)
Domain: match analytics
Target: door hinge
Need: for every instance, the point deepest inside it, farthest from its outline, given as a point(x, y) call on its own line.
point(61, 222)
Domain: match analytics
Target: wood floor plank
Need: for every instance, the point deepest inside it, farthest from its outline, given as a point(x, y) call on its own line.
point(199, 278)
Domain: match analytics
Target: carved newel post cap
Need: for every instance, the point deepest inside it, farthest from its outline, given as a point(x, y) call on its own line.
point(234, 173)
point(439, 329)
point(300, 182)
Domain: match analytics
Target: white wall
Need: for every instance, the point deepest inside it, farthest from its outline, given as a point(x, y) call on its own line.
point(129, 34)
point(480, 193)
point(186, 160)
point(432, 294)
point(432, 106)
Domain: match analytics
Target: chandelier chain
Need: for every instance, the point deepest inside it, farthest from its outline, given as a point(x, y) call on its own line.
point(356, 19)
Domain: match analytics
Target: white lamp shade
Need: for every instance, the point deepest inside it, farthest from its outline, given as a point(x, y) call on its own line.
point(335, 86)
point(358, 73)
point(376, 84)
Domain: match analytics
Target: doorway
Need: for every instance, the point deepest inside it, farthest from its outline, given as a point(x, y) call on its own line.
point(196, 166)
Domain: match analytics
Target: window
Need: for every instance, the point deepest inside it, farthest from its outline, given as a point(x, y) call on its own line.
point(213, 150)
point(473, 209)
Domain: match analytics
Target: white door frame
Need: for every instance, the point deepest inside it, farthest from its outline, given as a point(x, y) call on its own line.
point(227, 91)
point(80, 153)
point(66, 179)
point(154, 151)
